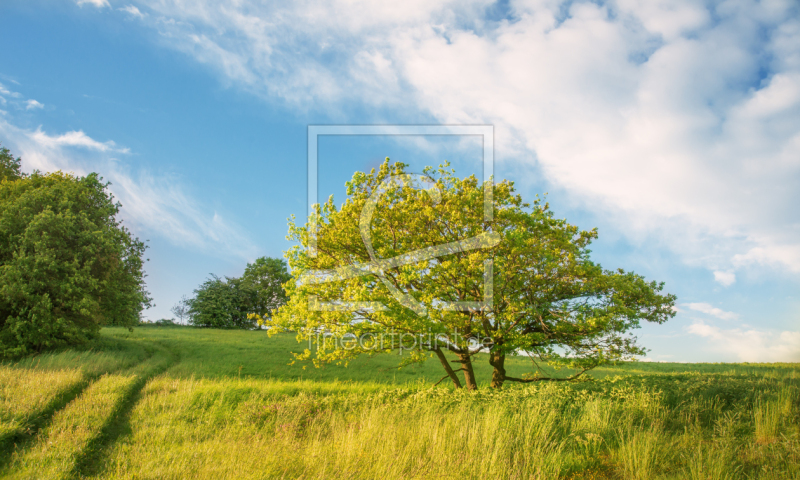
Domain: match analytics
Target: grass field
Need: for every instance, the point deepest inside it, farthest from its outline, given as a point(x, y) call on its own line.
point(187, 403)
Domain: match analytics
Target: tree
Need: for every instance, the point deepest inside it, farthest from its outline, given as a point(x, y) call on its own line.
point(219, 303)
point(10, 168)
point(264, 279)
point(181, 309)
point(393, 239)
point(232, 302)
point(67, 265)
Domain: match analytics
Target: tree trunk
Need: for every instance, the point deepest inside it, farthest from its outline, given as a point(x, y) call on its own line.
point(469, 374)
point(498, 361)
point(447, 367)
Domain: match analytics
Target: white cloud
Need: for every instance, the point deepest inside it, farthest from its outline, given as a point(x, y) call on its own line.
point(725, 278)
point(94, 3)
point(33, 104)
point(151, 205)
point(133, 11)
point(711, 310)
point(751, 345)
point(648, 113)
point(74, 139)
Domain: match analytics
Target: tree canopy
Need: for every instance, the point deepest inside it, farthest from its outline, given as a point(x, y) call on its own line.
point(427, 243)
point(10, 167)
point(232, 302)
point(67, 265)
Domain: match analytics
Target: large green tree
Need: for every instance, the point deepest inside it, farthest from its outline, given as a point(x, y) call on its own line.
point(67, 265)
point(402, 265)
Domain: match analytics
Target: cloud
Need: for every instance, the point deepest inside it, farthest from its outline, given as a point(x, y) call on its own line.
point(74, 139)
point(710, 310)
point(157, 205)
point(650, 114)
point(725, 278)
point(33, 104)
point(133, 11)
point(751, 345)
point(94, 3)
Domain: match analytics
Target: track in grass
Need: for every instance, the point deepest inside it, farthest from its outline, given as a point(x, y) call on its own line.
point(118, 424)
point(20, 432)
point(72, 436)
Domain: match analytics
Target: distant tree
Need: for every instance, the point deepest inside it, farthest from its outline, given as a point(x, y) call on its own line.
point(67, 265)
point(263, 280)
point(232, 302)
point(9, 166)
point(219, 303)
point(549, 300)
point(181, 309)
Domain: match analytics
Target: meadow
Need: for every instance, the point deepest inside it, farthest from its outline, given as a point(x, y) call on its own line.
point(179, 402)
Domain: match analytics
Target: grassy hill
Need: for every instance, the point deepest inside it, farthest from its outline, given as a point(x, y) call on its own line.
point(180, 402)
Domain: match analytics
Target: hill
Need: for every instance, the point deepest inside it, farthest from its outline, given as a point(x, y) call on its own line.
point(181, 402)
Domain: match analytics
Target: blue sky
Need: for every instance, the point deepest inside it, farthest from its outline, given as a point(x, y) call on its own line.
point(673, 127)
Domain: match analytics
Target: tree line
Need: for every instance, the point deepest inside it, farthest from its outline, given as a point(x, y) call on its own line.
point(237, 302)
point(404, 254)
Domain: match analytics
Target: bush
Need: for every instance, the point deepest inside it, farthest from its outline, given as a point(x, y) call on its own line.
point(229, 302)
point(67, 265)
point(221, 303)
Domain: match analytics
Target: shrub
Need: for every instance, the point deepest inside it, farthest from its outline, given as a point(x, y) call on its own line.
point(67, 265)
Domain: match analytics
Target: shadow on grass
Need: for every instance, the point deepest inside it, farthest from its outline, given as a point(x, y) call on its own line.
point(20, 439)
point(118, 425)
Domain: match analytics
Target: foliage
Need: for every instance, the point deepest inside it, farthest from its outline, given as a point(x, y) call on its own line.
point(9, 166)
point(264, 279)
point(229, 302)
point(220, 303)
point(549, 300)
point(67, 265)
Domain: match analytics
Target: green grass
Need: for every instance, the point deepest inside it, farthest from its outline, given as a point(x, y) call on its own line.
point(32, 389)
point(191, 403)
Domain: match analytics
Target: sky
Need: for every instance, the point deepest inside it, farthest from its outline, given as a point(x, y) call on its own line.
point(671, 126)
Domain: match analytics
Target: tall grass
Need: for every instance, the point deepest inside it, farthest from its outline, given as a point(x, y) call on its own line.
point(106, 354)
point(59, 446)
point(617, 428)
point(25, 395)
point(227, 410)
point(58, 450)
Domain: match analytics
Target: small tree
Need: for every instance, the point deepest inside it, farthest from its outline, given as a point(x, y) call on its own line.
point(181, 309)
point(67, 265)
point(549, 300)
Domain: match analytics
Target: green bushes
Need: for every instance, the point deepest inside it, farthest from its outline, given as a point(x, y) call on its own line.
point(67, 265)
point(230, 302)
